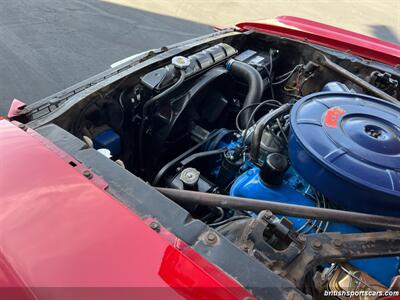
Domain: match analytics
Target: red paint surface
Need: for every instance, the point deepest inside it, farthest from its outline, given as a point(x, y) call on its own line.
point(59, 230)
point(330, 36)
point(332, 116)
point(15, 107)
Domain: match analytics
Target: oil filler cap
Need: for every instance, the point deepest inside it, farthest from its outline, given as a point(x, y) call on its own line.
point(273, 169)
point(348, 146)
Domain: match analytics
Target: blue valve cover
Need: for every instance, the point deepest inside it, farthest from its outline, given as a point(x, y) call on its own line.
point(250, 185)
point(348, 147)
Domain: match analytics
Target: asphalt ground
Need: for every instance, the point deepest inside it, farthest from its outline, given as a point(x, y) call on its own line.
point(48, 45)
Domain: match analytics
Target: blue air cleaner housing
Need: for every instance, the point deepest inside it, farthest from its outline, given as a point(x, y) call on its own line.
point(348, 146)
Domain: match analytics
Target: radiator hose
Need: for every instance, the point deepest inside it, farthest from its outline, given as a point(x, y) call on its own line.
point(252, 77)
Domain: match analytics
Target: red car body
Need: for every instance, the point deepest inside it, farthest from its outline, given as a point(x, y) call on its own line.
point(50, 241)
point(329, 36)
point(60, 229)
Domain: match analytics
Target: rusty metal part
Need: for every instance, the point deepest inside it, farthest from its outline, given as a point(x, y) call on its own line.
point(357, 80)
point(354, 245)
point(283, 251)
point(384, 81)
point(395, 285)
point(332, 215)
point(266, 238)
point(348, 279)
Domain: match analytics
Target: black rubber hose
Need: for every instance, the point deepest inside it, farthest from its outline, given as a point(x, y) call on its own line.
point(326, 214)
point(197, 155)
point(177, 160)
point(261, 124)
point(254, 81)
point(146, 107)
point(156, 98)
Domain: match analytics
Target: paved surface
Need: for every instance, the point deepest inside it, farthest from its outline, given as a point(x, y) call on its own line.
point(48, 45)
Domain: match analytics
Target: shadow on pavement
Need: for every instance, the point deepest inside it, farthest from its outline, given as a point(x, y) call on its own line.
point(48, 45)
point(385, 33)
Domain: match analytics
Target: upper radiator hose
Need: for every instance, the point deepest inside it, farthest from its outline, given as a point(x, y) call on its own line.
point(255, 83)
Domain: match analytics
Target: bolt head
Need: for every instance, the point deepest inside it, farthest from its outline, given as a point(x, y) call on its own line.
point(302, 237)
point(23, 127)
point(268, 214)
point(211, 238)
point(155, 226)
point(337, 243)
point(316, 244)
point(87, 174)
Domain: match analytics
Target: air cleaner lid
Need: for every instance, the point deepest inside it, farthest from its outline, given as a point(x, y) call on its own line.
point(355, 136)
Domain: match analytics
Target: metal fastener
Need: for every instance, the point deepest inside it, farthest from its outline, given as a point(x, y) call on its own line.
point(23, 127)
point(316, 244)
point(268, 214)
point(302, 237)
point(87, 174)
point(337, 243)
point(211, 238)
point(155, 226)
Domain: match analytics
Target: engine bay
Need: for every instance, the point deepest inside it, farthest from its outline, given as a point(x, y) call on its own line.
point(271, 119)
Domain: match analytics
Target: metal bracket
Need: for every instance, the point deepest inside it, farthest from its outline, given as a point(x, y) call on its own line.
point(293, 256)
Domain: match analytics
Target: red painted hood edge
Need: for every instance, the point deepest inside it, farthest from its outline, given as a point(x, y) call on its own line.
point(60, 229)
point(329, 36)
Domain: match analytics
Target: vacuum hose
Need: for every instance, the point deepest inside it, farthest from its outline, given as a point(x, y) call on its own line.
point(261, 124)
point(255, 83)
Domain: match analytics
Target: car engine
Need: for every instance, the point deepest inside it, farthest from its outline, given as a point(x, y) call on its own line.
point(276, 122)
